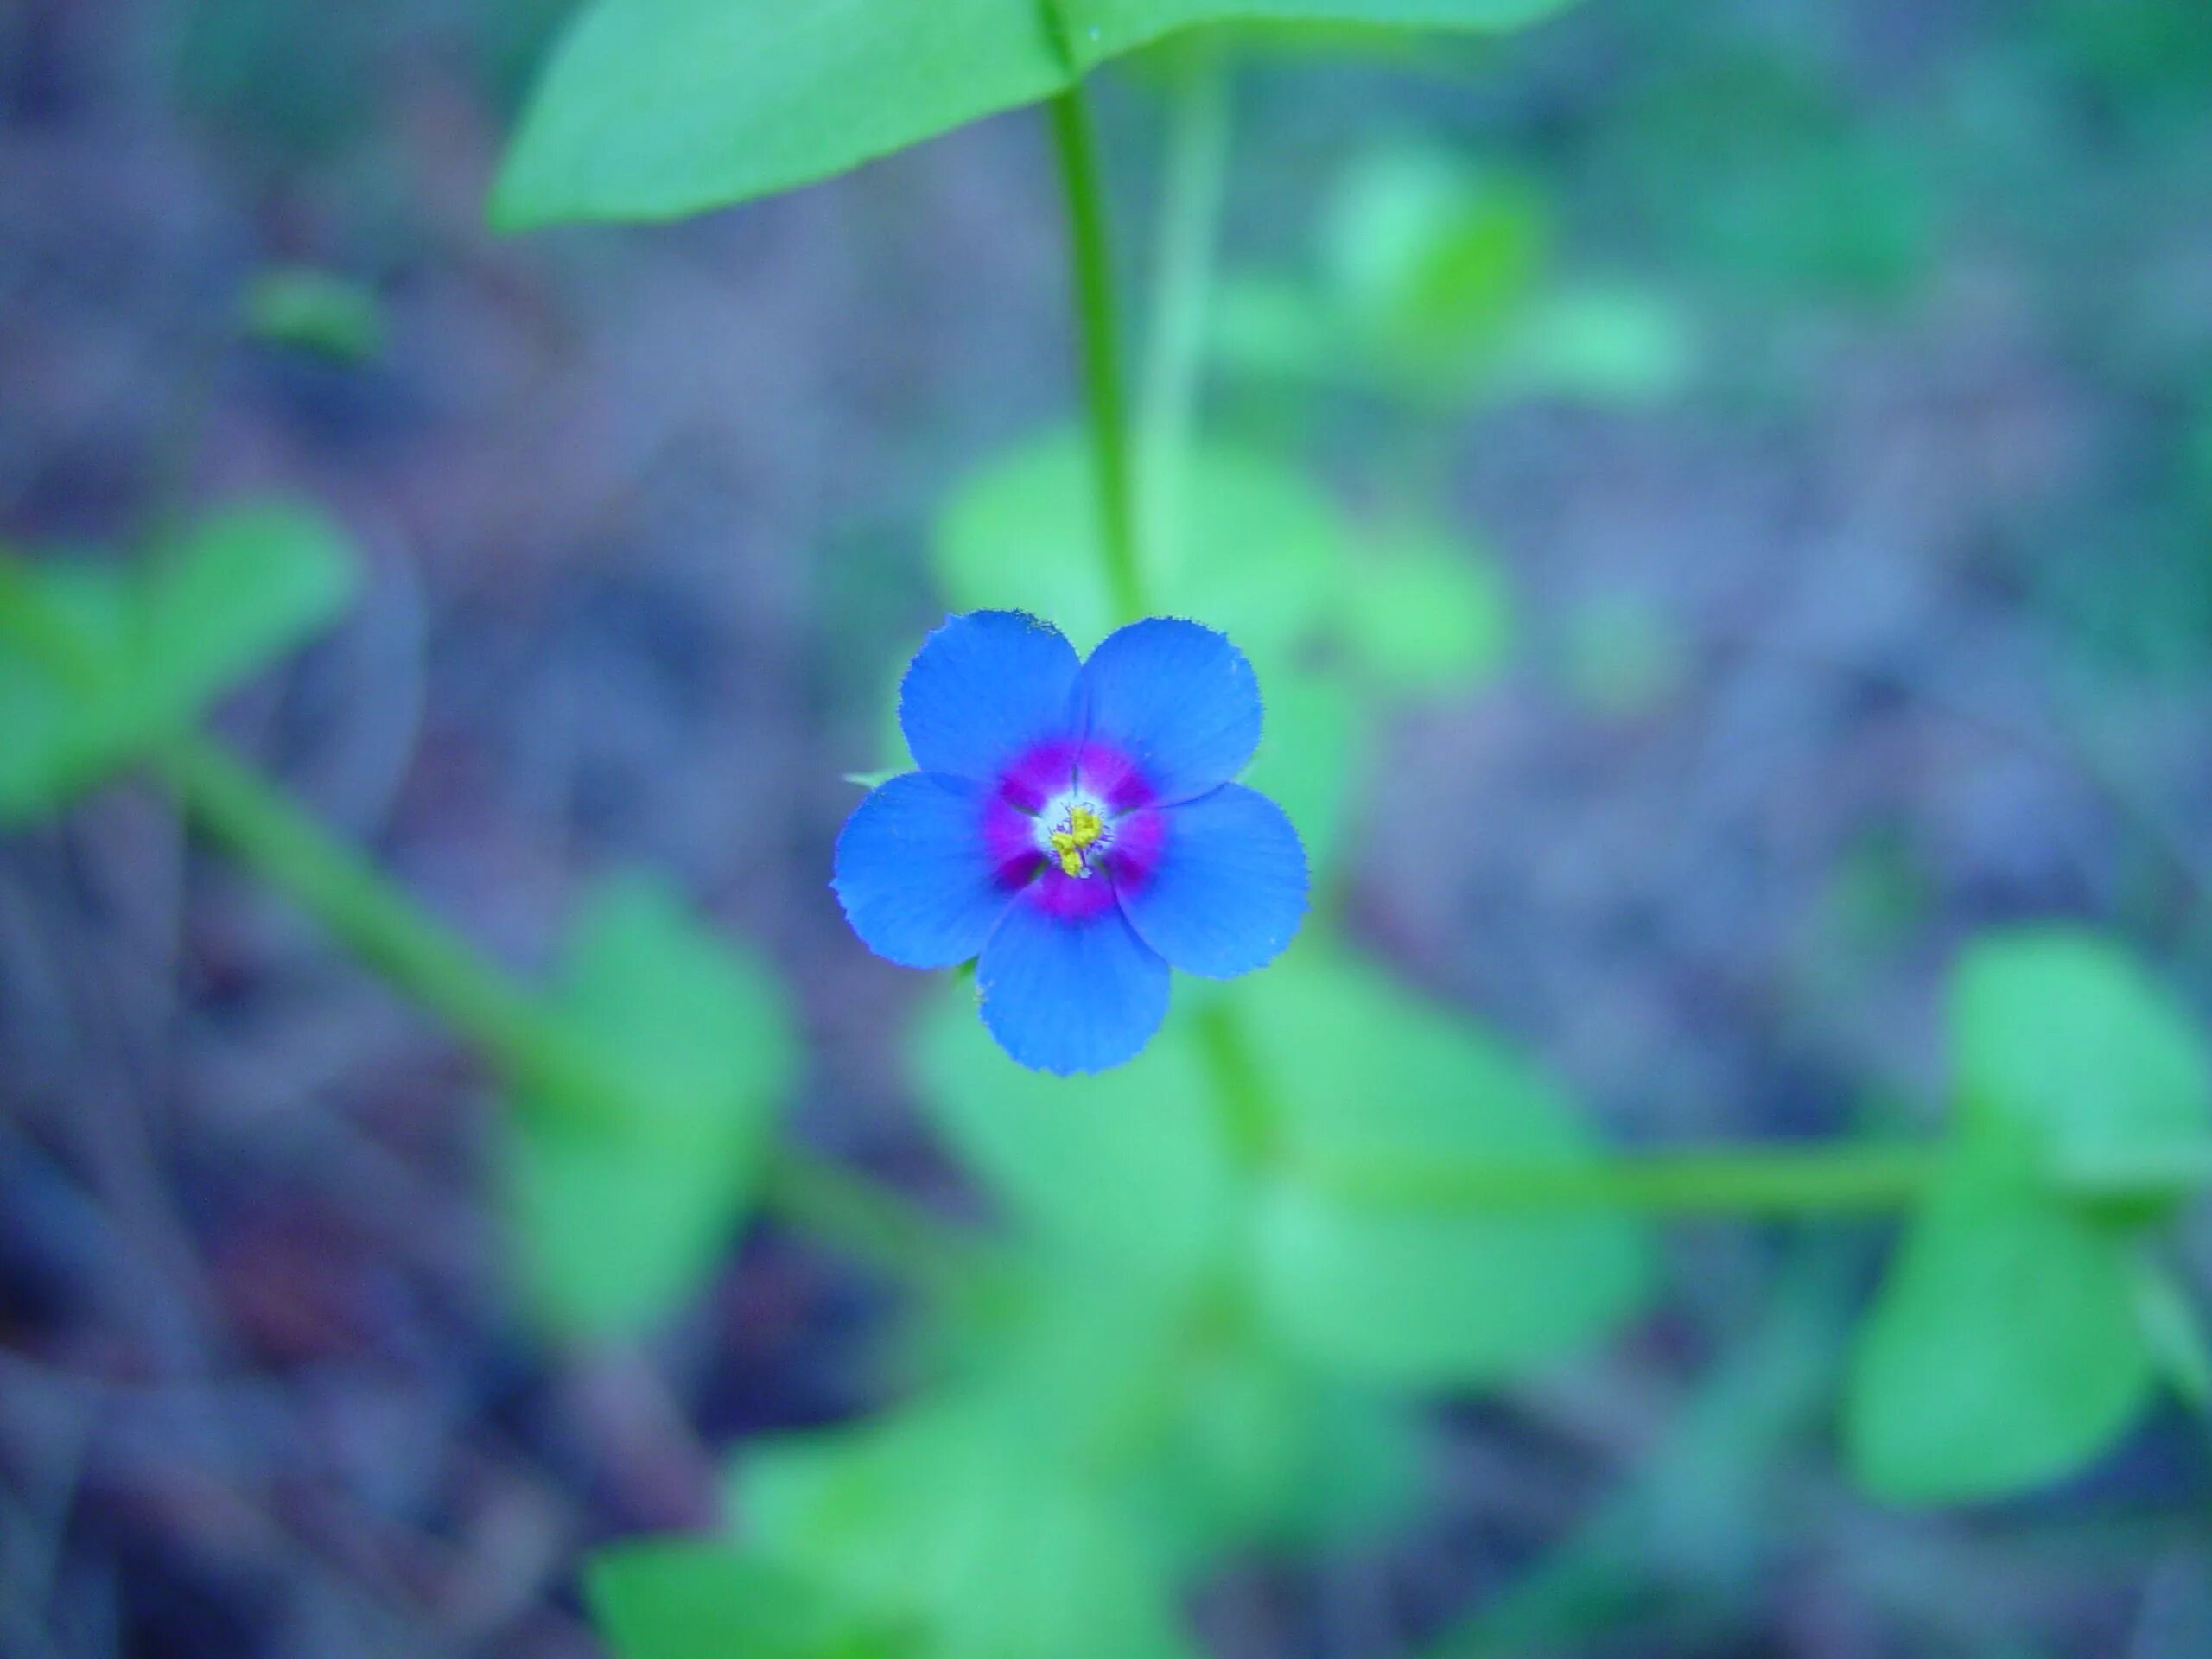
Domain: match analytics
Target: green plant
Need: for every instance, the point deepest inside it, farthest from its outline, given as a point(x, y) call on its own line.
point(1229, 1272)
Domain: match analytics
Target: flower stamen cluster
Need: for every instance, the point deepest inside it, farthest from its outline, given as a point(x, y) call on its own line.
point(1082, 827)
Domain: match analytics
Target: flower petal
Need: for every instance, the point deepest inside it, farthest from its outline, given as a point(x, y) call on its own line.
point(1178, 700)
point(1064, 995)
point(917, 871)
point(1227, 888)
point(984, 688)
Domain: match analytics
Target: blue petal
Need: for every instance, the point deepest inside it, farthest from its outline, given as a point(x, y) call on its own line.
point(1071, 995)
point(985, 687)
point(1176, 698)
point(914, 870)
point(1229, 888)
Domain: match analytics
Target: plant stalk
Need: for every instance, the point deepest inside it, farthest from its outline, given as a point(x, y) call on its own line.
point(1846, 1178)
point(1196, 185)
point(524, 1040)
point(1090, 255)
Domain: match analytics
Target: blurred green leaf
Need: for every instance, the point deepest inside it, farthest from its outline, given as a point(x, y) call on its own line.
point(1267, 1452)
point(2060, 1031)
point(2004, 1350)
point(98, 665)
point(618, 1223)
point(948, 1519)
point(1359, 1067)
point(652, 108)
point(1429, 256)
point(1278, 328)
point(1260, 557)
point(235, 592)
point(1125, 1169)
point(313, 311)
point(1612, 345)
point(694, 1598)
point(1426, 616)
point(65, 735)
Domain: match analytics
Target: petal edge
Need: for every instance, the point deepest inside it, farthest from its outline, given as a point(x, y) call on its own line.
point(1228, 888)
point(915, 872)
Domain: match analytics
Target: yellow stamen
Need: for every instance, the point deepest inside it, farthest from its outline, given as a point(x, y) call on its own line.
point(1084, 828)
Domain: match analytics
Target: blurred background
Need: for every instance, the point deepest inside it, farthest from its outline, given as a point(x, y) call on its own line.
point(1792, 447)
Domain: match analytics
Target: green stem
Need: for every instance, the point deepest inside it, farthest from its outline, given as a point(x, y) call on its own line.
point(1872, 1176)
point(521, 1037)
point(1092, 259)
point(1190, 220)
point(352, 898)
point(869, 1221)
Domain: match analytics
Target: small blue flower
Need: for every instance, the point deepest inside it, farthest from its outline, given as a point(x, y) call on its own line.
point(1074, 824)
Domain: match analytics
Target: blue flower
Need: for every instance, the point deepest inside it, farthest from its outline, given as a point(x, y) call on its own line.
point(1074, 825)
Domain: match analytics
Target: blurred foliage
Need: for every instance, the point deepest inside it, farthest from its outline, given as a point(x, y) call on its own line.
point(618, 1222)
point(1435, 283)
point(653, 109)
point(2009, 1345)
point(1191, 1346)
point(135, 654)
point(313, 312)
point(1331, 617)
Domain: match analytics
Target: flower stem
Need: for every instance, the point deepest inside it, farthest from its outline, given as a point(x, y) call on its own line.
point(1196, 184)
point(1091, 257)
point(516, 1032)
point(1844, 1177)
point(345, 894)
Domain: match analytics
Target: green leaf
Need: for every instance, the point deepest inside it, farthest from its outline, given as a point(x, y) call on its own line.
point(695, 1599)
point(652, 108)
point(1125, 1169)
point(1599, 344)
point(618, 1223)
point(102, 664)
point(66, 735)
point(1277, 327)
point(1099, 30)
point(2003, 1351)
point(949, 1519)
point(2060, 1031)
point(1430, 257)
point(237, 591)
point(1418, 1296)
point(1426, 616)
point(1266, 1452)
point(315, 312)
point(1260, 557)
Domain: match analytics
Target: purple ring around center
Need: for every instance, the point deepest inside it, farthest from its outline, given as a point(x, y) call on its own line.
point(1138, 830)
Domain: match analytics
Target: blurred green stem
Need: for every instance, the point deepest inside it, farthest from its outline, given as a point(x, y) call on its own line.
point(1092, 258)
point(517, 1032)
point(1246, 1117)
point(1196, 186)
point(347, 896)
point(1845, 1176)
